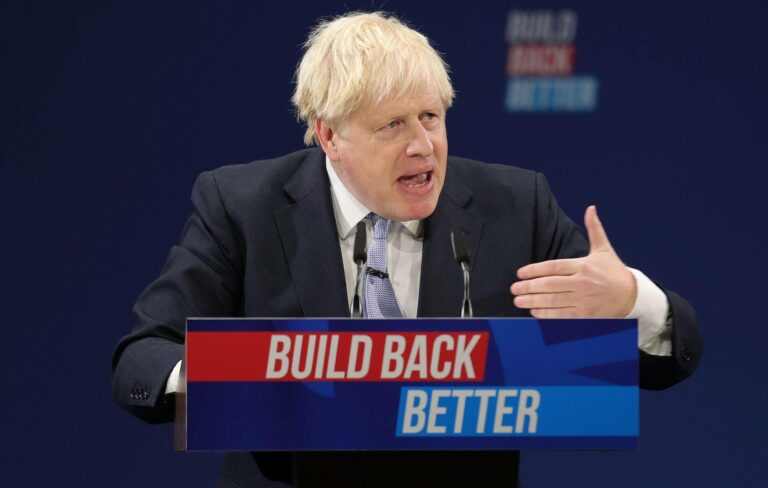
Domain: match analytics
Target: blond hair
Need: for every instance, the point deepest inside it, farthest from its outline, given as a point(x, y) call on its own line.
point(364, 58)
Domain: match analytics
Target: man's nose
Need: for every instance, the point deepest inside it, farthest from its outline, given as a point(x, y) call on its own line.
point(419, 144)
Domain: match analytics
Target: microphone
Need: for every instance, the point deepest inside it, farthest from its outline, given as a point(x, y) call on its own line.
point(461, 253)
point(360, 256)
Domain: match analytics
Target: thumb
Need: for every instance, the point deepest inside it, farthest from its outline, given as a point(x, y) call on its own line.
point(598, 239)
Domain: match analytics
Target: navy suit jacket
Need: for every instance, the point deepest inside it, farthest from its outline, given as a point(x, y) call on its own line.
point(262, 242)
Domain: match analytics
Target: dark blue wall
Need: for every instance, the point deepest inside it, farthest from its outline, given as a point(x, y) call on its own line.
point(110, 109)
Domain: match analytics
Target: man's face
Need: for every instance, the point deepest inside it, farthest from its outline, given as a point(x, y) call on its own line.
point(392, 156)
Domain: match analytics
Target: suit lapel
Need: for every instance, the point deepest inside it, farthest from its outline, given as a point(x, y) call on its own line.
point(441, 287)
point(310, 241)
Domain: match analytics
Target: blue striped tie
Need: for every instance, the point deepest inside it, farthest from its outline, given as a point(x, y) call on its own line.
point(380, 301)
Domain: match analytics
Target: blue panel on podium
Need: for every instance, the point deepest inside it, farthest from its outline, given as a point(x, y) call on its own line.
point(418, 384)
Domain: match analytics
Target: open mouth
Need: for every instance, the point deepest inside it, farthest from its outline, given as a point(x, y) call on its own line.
point(416, 181)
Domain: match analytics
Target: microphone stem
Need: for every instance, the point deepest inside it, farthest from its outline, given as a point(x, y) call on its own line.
point(357, 309)
point(466, 304)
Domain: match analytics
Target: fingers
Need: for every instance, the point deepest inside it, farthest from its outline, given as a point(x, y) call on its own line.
point(549, 292)
point(546, 284)
point(545, 300)
point(557, 267)
point(598, 239)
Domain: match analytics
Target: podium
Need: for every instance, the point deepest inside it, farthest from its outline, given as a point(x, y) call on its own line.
point(408, 384)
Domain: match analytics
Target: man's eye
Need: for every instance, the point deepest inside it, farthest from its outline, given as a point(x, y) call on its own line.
point(392, 125)
point(430, 116)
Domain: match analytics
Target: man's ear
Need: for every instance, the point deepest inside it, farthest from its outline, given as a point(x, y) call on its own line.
point(325, 138)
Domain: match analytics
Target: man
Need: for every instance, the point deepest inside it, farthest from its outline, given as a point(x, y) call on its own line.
point(274, 239)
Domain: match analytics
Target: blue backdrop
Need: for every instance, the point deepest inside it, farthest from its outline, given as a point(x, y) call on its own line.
point(110, 109)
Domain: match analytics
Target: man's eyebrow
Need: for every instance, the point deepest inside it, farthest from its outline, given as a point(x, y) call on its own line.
point(381, 118)
point(391, 115)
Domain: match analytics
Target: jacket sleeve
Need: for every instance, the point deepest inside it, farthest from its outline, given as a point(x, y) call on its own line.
point(557, 237)
point(659, 372)
point(202, 277)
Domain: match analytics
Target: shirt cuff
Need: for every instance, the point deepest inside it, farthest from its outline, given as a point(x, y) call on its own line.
point(172, 385)
point(654, 328)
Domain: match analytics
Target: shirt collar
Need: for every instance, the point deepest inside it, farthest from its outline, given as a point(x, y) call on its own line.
point(349, 211)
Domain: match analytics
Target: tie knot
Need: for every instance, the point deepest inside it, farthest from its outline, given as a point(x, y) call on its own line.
point(380, 226)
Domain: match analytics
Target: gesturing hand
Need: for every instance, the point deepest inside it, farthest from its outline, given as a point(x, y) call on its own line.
point(597, 285)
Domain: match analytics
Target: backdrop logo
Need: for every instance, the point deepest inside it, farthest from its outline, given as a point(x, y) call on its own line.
point(541, 63)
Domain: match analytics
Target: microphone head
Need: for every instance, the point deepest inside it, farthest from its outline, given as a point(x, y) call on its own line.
point(460, 250)
point(360, 254)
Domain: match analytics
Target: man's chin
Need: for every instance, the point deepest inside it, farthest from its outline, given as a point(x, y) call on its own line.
point(414, 212)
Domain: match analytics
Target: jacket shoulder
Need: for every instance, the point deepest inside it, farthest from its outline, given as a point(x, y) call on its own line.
point(474, 170)
point(488, 178)
point(240, 185)
point(263, 171)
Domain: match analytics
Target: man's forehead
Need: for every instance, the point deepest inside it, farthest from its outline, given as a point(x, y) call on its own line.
point(403, 105)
